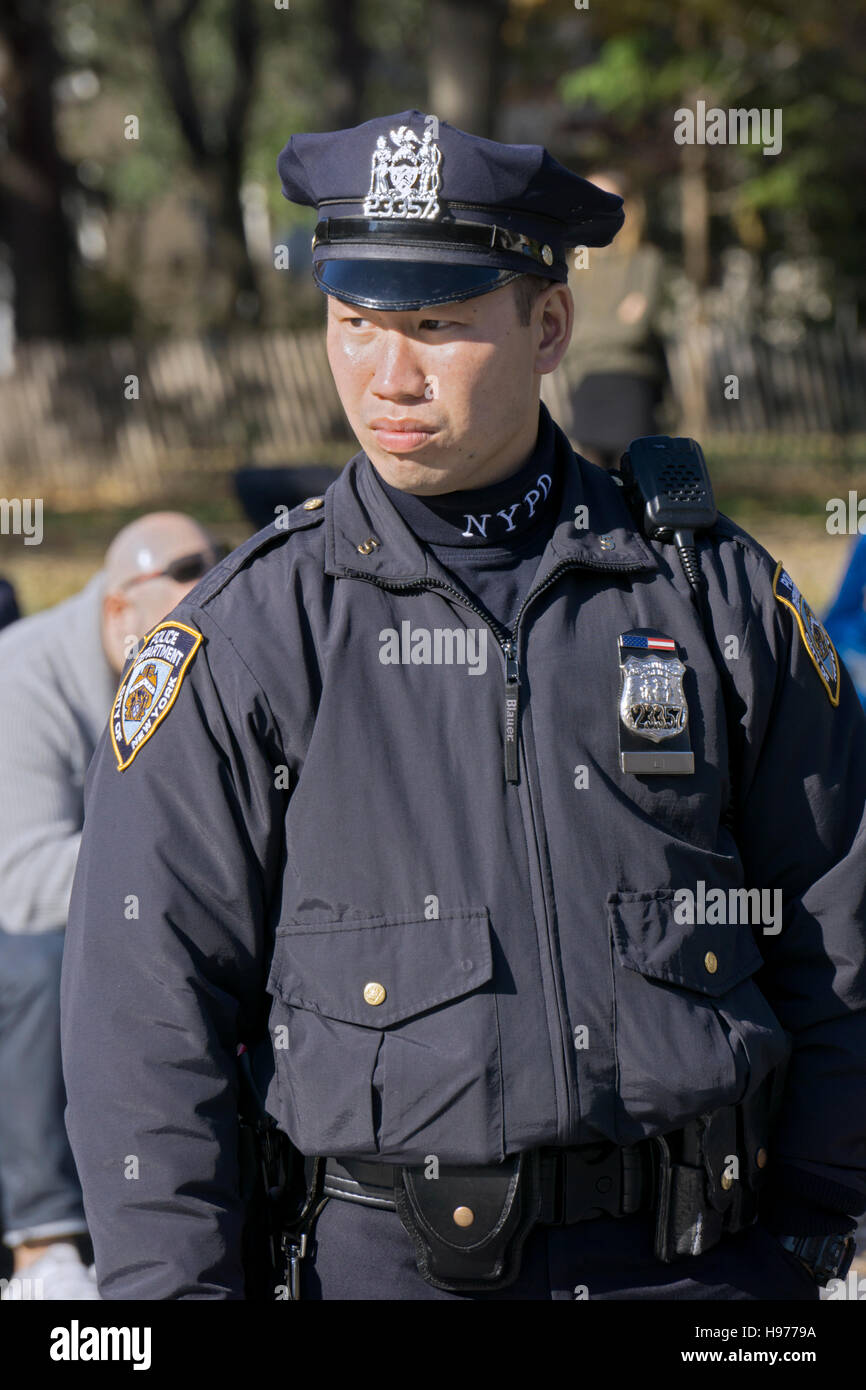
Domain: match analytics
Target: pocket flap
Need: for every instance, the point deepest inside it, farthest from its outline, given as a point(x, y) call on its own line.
point(376, 971)
point(710, 957)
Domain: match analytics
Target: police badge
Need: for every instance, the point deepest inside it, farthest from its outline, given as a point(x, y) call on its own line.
point(652, 705)
point(404, 181)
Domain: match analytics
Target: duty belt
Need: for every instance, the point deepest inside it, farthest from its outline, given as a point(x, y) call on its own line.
point(576, 1184)
point(468, 1224)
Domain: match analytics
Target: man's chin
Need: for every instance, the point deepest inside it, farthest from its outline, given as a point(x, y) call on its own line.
point(422, 469)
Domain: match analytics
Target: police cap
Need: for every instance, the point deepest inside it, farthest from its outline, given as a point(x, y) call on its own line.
point(413, 211)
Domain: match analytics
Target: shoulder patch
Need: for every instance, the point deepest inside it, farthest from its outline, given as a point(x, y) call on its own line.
point(815, 637)
point(148, 691)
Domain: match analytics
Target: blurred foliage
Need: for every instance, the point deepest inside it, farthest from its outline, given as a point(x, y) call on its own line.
point(811, 198)
point(297, 87)
point(608, 79)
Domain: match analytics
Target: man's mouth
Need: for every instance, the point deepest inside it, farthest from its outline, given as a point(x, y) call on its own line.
point(400, 436)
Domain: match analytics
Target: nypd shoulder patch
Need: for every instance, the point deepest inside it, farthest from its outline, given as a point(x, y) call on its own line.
point(815, 637)
point(148, 691)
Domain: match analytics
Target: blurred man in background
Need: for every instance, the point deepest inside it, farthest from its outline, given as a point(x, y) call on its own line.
point(615, 364)
point(58, 675)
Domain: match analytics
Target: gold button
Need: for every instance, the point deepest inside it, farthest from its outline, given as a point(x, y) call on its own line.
point(711, 962)
point(374, 993)
point(726, 1181)
point(313, 504)
point(761, 1158)
point(546, 254)
point(464, 1216)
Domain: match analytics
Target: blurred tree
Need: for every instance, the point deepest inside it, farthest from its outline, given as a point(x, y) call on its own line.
point(214, 133)
point(34, 178)
point(351, 57)
point(464, 59)
point(219, 85)
point(809, 198)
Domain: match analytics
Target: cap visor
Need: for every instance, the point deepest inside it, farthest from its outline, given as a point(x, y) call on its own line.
point(380, 284)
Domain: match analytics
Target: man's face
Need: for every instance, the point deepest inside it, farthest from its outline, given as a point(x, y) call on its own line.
point(139, 600)
point(444, 397)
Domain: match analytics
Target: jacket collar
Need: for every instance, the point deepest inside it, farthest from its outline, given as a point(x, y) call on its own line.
point(361, 512)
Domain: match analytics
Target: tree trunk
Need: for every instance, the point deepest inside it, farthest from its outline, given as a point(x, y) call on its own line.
point(463, 67)
point(350, 61)
point(33, 178)
point(217, 160)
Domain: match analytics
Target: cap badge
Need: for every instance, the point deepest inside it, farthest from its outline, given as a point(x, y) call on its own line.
point(404, 181)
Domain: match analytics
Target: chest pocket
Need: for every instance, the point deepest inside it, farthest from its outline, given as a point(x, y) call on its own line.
point(386, 1038)
point(693, 1031)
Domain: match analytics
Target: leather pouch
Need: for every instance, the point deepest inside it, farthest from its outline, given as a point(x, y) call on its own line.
point(503, 1202)
point(685, 1222)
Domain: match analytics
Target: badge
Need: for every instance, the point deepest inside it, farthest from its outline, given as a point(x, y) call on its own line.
point(652, 706)
point(815, 636)
point(148, 692)
point(404, 181)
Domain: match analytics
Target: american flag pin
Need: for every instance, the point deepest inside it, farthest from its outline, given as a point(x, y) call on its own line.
point(641, 642)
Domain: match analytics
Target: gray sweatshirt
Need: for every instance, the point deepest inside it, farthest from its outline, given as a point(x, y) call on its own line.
point(56, 691)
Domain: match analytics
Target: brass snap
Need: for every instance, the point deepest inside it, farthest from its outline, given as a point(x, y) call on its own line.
point(312, 504)
point(374, 993)
point(711, 962)
point(726, 1181)
point(463, 1216)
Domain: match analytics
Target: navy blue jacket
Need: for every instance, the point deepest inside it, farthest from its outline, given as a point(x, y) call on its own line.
point(457, 964)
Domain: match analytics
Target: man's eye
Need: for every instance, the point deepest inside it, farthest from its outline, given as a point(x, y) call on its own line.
point(357, 323)
point(432, 324)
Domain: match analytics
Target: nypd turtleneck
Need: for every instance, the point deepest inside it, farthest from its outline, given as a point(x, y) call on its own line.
point(491, 539)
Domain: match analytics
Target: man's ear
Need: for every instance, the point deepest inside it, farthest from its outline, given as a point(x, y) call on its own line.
point(552, 320)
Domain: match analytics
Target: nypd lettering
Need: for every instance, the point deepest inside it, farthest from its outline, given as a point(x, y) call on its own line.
point(815, 637)
point(438, 646)
point(404, 181)
point(652, 705)
point(491, 526)
point(150, 688)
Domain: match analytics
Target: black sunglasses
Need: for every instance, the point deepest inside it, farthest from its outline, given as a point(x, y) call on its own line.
point(186, 568)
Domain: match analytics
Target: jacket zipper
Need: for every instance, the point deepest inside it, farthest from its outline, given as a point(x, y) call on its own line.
point(566, 1055)
point(508, 642)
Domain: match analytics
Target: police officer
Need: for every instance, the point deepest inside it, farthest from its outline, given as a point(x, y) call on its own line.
point(542, 879)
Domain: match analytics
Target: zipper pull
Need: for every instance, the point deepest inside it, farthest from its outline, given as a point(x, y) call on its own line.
point(512, 705)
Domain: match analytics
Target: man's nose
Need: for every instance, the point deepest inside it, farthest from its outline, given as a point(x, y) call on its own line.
point(399, 370)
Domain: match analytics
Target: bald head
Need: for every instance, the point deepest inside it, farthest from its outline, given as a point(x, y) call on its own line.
point(150, 543)
point(138, 593)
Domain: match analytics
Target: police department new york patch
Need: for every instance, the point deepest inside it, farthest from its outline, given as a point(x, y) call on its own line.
point(149, 690)
point(815, 637)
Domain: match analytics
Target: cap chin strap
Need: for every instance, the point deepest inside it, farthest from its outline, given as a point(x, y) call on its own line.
point(399, 232)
